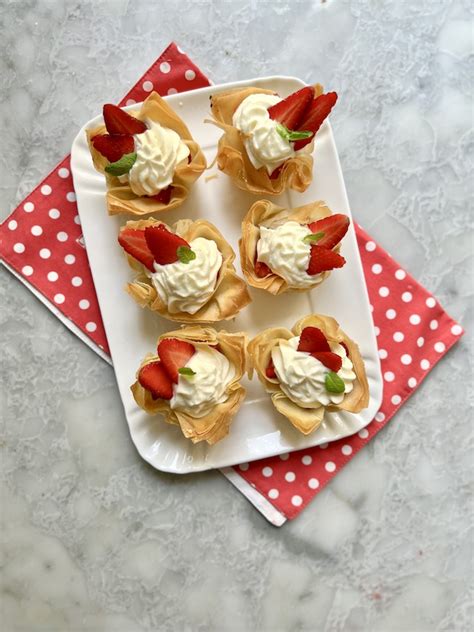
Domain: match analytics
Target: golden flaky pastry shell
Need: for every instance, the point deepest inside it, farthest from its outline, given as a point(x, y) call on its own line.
point(230, 294)
point(265, 213)
point(120, 197)
point(232, 158)
point(306, 420)
point(215, 424)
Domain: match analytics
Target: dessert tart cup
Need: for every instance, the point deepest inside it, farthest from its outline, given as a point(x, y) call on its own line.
point(309, 370)
point(280, 247)
point(148, 157)
point(193, 381)
point(185, 272)
point(267, 142)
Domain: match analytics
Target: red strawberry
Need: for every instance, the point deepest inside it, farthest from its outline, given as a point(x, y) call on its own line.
point(164, 196)
point(276, 172)
point(315, 115)
point(291, 110)
point(154, 378)
point(322, 259)
point(117, 121)
point(261, 269)
point(330, 360)
point(134, 243)
point(343, 344)
point(174, 354)
point(313, 340)
point(334, 228)
point(270, 370)
point(113, 147)
point(163, 244)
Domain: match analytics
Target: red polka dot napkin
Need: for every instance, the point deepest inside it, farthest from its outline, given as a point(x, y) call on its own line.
point(41, 243)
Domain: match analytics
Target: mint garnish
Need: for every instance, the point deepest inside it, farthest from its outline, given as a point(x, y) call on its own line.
point(290, 135)
point(122, 166)
point(313, 238)
point(185, 254)
point(186, 371)
point(333, 383)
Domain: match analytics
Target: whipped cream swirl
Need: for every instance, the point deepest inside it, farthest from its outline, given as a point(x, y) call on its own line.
point(196, 395)
point(264, 145)
point(302, 377)
point(186, 287)
point(158, 150)
point(286, 254)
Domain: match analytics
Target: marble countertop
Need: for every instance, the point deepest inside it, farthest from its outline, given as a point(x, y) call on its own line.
point(93, 538)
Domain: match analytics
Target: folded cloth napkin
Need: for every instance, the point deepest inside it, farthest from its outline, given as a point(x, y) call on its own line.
point(41, 243)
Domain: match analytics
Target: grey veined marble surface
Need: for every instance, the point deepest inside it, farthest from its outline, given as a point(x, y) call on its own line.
point(93, 538)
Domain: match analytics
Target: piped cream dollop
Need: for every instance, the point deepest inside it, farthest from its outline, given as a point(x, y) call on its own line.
point(158, 150)
point(264, 145)
point(302, 377)
point(286, 254)
point(186, 287)
point(197, 394)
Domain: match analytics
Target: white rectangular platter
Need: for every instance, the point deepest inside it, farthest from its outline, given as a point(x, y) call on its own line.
point(258, 430)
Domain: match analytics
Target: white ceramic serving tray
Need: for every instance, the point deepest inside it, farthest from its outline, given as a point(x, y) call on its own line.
point(258, 430)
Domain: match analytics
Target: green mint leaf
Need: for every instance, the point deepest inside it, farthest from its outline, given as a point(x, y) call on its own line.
point(122, 166)
point(186, 371)
point(185, 254)
point(291, 135)
point(313, 238)
point(333, 383)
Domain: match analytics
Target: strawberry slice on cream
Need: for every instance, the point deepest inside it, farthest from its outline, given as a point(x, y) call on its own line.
point(311, 371)
point(192, 379)
point(143, 154)
point(183, 274)
point(301, 253)
point(275, 129)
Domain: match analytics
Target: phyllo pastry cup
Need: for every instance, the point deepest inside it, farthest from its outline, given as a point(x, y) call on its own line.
point(307, 418)
point(264, 213)
point(161, 378)
point(232, 158)
point(120, 196)
point(225, 293)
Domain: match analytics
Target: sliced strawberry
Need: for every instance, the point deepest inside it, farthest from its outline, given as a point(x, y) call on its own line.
point(134, 243)
point(291, 110)
point(174, 354)
point(343, 344)
point(164, 196)
point(330, 360)
point(334, 228)
point(315, 115)
point(154, 378)
point(276, 172)
point(270, 370)
point(117, 121)
point(313, 340)
point(163, 244)
point(322, 259)
point(113, 147)
point(261, 269)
